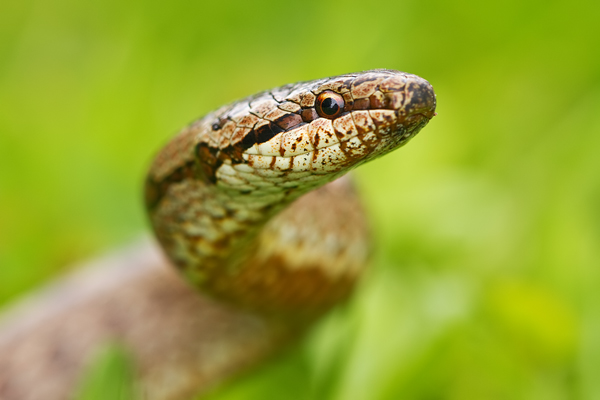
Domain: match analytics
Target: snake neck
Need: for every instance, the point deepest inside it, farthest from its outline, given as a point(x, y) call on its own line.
point(262, 254)
point(204, 229)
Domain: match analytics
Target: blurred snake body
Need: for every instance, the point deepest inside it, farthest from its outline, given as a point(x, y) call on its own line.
point(248, 204)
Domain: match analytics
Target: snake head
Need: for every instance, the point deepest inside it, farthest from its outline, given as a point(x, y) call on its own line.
point(312, 132)
point(296, 137)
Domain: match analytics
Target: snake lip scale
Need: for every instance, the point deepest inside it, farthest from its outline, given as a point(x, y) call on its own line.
point(213, 193)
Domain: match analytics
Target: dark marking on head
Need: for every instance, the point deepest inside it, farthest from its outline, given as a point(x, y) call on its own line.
point(266, 132)
point(362, 79)
point(207, 160)
point(249, 140)
point(233, 153)
point(346, 84)
point(287, 121)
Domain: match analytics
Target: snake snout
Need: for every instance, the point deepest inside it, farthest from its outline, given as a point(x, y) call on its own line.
point(420, 98)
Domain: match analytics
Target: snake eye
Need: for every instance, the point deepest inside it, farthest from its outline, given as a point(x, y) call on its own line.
point(329, 104)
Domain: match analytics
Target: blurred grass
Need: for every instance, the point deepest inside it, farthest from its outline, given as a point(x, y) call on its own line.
point(486, 279)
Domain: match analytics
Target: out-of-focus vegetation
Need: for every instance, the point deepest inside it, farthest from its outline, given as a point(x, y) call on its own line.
point(486, 280)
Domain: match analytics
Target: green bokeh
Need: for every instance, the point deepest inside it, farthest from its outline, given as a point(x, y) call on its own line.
point(486, 280)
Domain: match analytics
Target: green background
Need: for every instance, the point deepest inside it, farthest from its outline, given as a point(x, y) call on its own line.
point(486, 278)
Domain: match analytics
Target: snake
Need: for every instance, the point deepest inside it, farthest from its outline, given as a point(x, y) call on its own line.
point(252, 206)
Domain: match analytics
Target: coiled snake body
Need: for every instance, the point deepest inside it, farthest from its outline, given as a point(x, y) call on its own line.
point(247, 203)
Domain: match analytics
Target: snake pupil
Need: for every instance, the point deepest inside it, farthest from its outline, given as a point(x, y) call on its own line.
point(329, 106)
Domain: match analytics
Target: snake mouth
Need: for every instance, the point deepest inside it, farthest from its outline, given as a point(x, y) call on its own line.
point(356, 137)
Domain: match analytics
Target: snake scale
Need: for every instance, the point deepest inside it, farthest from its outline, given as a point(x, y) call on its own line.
point(250, 205)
